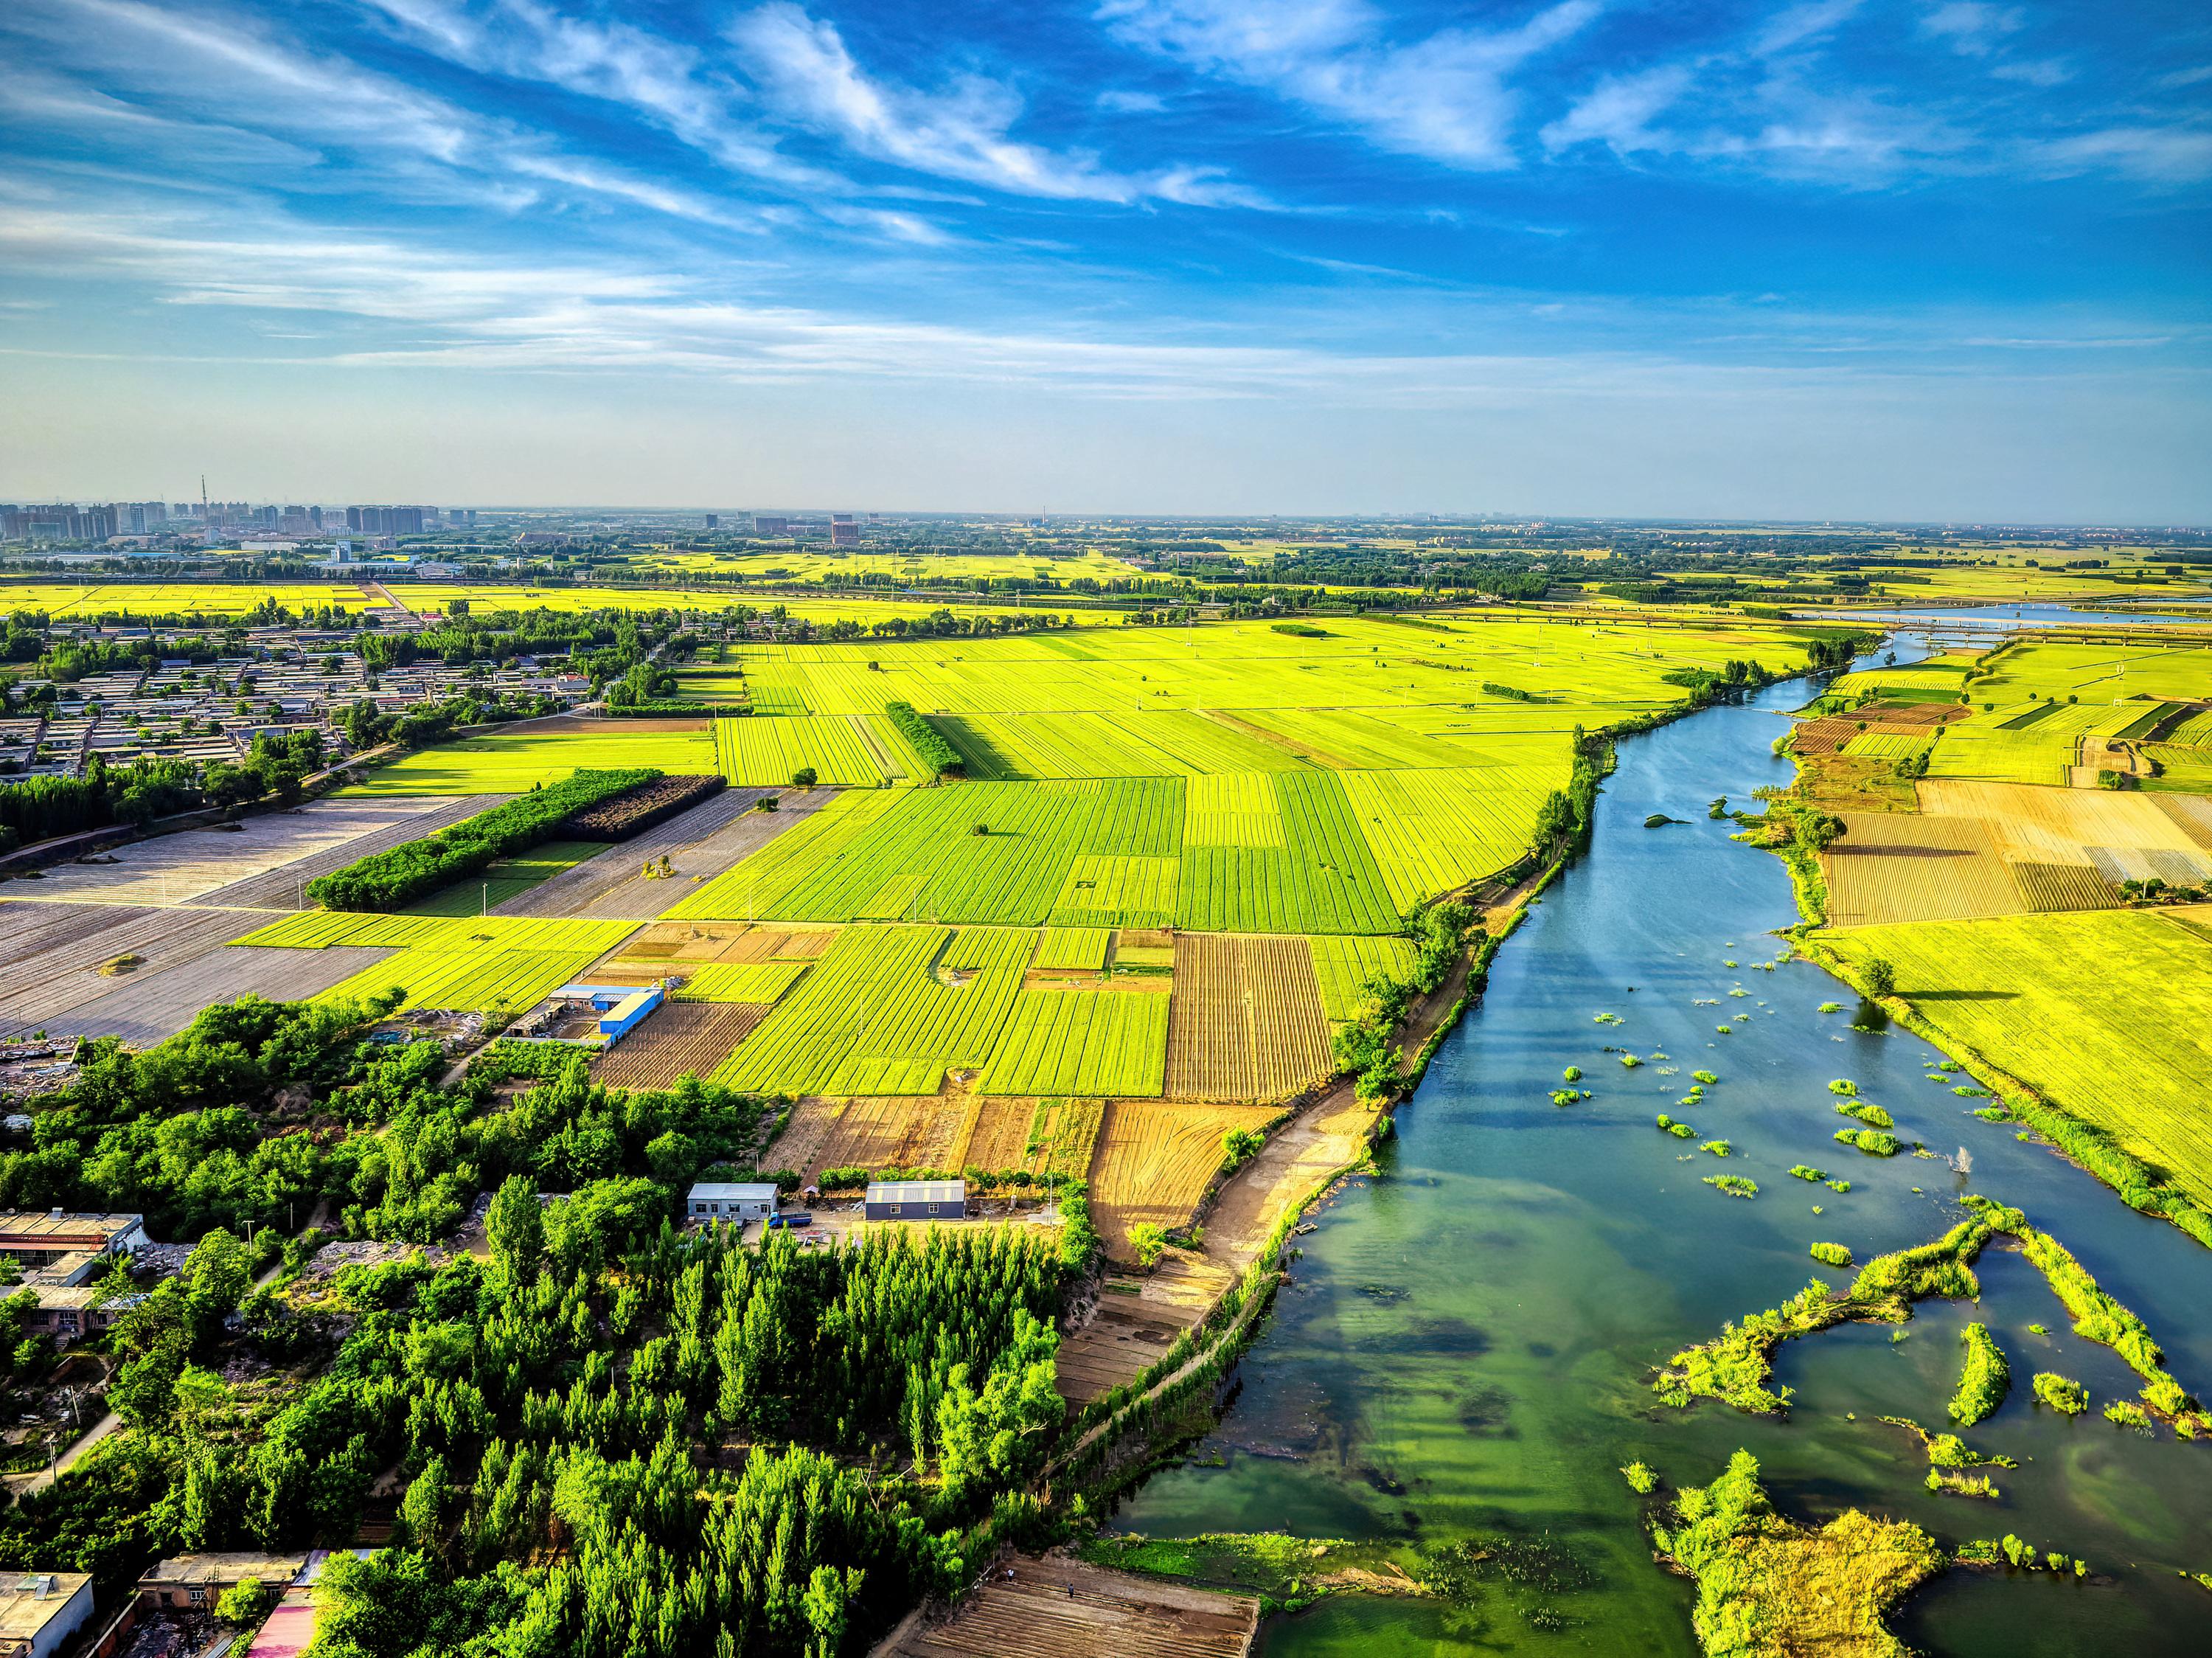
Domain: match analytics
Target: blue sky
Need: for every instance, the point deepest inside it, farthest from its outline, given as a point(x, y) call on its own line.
point(1896, 258)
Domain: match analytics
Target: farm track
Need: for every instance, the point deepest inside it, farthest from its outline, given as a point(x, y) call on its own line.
point(50, 954)
point(676, 1038)
point(703, 841)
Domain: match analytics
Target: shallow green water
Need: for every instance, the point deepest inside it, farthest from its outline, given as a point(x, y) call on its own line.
point(1465, 1344)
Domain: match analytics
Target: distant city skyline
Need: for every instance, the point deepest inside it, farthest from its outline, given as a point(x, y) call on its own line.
point(1899, 261)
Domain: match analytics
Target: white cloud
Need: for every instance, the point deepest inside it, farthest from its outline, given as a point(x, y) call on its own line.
point(1801, 24)
point(2035, 71)
point(1117, 100)
point(1444, 96)
point(1971, 28)
point(2168, 155)
point(1618, 112)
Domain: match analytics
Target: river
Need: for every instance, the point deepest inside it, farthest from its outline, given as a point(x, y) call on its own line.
point(1465, 1344)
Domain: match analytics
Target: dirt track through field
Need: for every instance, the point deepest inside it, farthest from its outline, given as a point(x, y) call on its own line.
point(699, 844)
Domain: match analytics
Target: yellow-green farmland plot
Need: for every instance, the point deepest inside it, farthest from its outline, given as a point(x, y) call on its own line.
point(767, 750)
point(887, 1010)
point(1344, 963)
point(472, 964)
point(510, 762)
point(2093, 1010)
point(1434, 829)
point(1107, 1042)
point(1073, 949)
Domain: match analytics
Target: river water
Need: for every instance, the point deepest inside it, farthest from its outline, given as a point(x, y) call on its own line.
point(1465, 1344)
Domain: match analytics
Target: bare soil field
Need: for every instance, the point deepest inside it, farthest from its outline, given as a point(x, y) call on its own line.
point(146, 1005)
point(1056, 1607)
point(891, 1133)
point(1155, 1159)
point(678, 1037)
point(698, 844)
point(50, 954)
point(260, 863)
point(676, 947)
point(1246, 1021)
point(995, 1134)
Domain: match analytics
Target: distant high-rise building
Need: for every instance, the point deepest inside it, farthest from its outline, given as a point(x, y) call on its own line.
point(765, 524)
point(843, 531)
point(714, 521)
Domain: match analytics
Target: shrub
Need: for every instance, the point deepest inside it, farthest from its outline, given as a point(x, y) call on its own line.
point(1147, 1238)
point(804, 778)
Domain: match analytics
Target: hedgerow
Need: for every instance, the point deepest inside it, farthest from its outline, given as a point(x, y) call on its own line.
point(390, 878)
point(929, 745)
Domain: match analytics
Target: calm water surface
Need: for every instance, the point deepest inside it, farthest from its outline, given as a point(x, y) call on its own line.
point(1466, 1340)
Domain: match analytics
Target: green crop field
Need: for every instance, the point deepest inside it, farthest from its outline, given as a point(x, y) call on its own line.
point(510, 762)
point(1432, 831)
point(1073, 949)
point(1345, 962)
point(472, 964)
point(1081, 1042)
point(506, 878)
point(887, 1010)
point(852, 749)
point(2086, 1009)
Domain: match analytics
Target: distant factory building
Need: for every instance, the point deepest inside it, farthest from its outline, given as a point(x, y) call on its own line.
point(917, 1200)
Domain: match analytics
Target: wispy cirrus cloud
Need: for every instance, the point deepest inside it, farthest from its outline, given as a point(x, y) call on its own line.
point(963, 129)
point(1445, 96)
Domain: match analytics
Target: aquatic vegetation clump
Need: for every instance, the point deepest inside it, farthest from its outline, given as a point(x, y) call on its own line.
point(1983, 1380)
point(1706, 1077)
point(2126, 1413)
point(1736, 1366)
point(1872, 1116)
point(1734, 1185)
point(1807, 1172)
point(1630, 1061)
point(1766, 1585)
point(2062, 1393)
point(1830, 1254)
point(1872, 1142)
point(1843, 1085)
point(1571, 1074)
point(1838, 1185)
point(1640, 1479)
point(1718, 1148)
point(1680, 1131)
